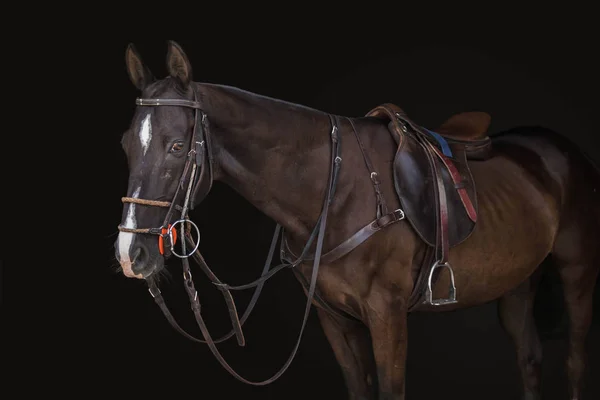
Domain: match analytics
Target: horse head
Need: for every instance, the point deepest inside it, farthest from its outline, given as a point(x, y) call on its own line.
point(167, 157)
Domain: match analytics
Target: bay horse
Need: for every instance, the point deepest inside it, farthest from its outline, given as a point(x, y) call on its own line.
point(376, 216)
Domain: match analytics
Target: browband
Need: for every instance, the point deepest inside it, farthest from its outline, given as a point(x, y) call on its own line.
point(168, 102)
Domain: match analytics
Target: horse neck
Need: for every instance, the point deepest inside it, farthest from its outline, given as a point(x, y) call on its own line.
point(274, 153)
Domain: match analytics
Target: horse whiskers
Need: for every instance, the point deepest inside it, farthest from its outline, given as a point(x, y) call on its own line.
point(111, 234)
point(162, 274)
point(116, 265)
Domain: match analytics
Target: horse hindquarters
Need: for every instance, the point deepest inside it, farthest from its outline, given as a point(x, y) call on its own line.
point(577, 257)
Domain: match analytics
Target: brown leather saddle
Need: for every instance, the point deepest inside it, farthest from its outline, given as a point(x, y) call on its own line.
point(435, 186)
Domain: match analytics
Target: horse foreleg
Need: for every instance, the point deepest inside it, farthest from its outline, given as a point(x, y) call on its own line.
point(387, 320)
point(515, 310)
point(351, 345)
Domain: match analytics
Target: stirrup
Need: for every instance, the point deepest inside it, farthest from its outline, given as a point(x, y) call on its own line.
point(451, 288)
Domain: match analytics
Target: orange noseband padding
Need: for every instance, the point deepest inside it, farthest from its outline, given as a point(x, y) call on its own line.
point(161, 241)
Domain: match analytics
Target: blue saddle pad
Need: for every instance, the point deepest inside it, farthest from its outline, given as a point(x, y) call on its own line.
point(442, 142)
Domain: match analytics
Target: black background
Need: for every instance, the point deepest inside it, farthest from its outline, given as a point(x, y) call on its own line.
point(106, 334)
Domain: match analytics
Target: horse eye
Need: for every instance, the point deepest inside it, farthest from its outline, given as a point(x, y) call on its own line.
point(177, 147)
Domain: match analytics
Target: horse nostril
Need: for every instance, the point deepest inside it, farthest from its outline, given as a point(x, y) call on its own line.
point(139, 259)
point(135, 255)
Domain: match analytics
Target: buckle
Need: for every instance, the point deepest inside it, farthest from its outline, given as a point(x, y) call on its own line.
point(390, 218)
point(154, 291)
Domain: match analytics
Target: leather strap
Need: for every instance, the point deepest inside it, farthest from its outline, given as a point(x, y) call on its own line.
point(381, 203)
point(354, 241)
point(204, 160)
point(156, 294)
point(169, 102)
point(458, 184)
point(442, 242)
point(231, 308)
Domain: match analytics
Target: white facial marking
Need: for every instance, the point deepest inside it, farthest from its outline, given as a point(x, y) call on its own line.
point(126, 238)
point(145, 133)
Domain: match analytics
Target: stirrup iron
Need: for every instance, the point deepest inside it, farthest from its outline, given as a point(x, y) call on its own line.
point(451, 288)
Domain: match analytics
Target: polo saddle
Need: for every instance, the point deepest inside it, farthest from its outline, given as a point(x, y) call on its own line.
point(435, 186)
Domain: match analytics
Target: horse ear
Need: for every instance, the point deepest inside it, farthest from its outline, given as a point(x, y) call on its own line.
point(139, 74)
point(178, 65)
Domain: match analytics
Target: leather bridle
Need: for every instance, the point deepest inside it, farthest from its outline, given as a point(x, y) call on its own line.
point(196, 185)
point(195, 182)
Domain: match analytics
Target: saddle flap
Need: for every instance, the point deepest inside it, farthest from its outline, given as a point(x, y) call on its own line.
point(414, 183)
